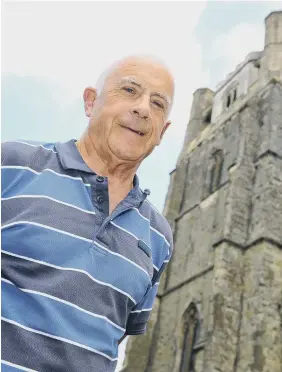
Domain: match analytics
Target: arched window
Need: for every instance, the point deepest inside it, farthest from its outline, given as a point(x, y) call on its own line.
point(190, 330)
point(235, 95)
point(208, 117)
point(216, 171)
point(231, 95)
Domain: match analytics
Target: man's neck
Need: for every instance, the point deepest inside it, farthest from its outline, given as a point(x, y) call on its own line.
point(120, 175)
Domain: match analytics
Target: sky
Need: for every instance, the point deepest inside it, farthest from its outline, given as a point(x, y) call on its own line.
point(51, 51)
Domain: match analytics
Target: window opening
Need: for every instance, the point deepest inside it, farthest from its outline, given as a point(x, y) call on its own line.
point(191, 325)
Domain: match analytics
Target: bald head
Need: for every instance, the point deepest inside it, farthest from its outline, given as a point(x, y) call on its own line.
point(132, 60)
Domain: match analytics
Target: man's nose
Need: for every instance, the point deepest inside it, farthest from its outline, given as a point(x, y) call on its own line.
point(142, 109)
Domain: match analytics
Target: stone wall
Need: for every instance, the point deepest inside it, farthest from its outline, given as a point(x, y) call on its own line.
point(261, 325)
point(267, 188)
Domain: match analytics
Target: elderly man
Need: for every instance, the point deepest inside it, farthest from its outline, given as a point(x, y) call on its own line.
point(82, 248)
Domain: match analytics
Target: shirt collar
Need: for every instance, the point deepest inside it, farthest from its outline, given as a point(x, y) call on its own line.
point(70, 158)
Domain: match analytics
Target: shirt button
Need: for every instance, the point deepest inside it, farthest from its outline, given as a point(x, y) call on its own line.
point(147, 192)
point(100, 179)
point(100, 199)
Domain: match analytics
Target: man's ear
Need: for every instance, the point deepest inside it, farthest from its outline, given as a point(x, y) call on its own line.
point(89, 96)
point(164, 130)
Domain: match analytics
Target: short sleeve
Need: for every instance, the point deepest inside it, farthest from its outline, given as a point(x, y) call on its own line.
point(140, 314)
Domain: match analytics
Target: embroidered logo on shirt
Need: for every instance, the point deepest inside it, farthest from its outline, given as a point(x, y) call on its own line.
point(144, 247)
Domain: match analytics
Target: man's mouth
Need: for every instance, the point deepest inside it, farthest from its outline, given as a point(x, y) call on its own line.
point(134, 131)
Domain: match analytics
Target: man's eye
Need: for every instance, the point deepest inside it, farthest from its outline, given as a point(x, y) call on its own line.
point(159, 104)
point(129, 90)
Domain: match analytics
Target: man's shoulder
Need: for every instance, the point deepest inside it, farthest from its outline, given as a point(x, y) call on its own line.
point(158, 222)
point(20, 152)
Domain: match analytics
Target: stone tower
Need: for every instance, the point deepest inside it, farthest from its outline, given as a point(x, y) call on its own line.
point(219, 306)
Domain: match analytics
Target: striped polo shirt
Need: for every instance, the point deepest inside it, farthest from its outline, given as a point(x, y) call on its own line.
point(74, 278)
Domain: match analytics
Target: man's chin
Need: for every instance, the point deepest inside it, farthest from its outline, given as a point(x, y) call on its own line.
point(127, 155)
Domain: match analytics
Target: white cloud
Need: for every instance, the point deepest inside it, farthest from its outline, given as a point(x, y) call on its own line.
point(71, 43)
point(235, 45)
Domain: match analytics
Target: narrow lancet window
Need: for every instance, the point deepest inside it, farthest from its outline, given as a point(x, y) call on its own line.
point(190, 326)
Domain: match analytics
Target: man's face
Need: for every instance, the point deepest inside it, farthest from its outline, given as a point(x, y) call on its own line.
point(129, 116)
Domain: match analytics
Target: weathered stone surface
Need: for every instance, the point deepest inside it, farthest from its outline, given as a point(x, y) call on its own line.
point(270, 110)
point(272, 55)
point(175, 192)
point(195, 173)
point(191, 245)
point(164, 347)
point(202, 99)
point(239, 200)
point(267, 200)
point(261, 328)
point(225, 312)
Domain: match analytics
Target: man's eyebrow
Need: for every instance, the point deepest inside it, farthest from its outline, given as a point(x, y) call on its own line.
point(135, 82)
point(163, 96)
point(131, 80)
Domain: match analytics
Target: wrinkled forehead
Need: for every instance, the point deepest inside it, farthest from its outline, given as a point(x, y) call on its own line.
point(149, 74)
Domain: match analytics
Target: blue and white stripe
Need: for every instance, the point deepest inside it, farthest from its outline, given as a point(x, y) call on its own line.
point(71, 285)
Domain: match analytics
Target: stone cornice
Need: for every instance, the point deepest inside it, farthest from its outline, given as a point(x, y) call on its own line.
point(193, 277)
point(211, 267)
